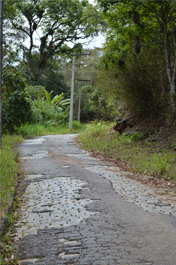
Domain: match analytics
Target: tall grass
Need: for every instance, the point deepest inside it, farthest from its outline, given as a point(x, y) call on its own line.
point(8, 167)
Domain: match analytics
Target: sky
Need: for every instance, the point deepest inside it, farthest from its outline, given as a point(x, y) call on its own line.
point(95, 42)
point(91, 1)
point(98, 41)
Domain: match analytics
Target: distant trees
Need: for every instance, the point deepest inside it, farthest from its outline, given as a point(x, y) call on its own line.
point(96, 102)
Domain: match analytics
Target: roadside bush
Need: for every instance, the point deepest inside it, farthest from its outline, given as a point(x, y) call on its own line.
point(95, 105)
point(46, 110)
point(42, 112)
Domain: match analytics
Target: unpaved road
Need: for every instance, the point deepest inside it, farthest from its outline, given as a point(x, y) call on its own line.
point(73, 211)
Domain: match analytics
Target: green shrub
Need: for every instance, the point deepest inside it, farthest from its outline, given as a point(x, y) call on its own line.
point(77, 125)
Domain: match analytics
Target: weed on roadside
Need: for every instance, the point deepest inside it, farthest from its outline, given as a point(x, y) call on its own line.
point(159, 163)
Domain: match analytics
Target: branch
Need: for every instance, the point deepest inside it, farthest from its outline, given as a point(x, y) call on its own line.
point(20, 28)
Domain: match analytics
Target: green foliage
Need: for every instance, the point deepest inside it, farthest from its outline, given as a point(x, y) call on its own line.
point(96, 129)
point(53, 81)
point(16, 108)
point(60, 22)
point(36, 91)
point(8, 249)
point(49, 111)
point(52, 78)
point(159, 163)
point(103, 105)
point(95, 103)
point(139, 27)
point(124, 139)
point(77, 125)
point(142, 84)
point(43, 113)
point(139, 85)
point(9, 9)
point(12, 41)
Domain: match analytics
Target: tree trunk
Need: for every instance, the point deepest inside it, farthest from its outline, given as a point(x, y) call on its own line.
point(170, 74)
point(30, 60)
point(30, 51)
point(172, 91)
point(41, 66)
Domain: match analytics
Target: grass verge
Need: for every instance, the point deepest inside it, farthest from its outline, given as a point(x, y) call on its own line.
point(9, 168)
point(31, 130)
point(141, 155)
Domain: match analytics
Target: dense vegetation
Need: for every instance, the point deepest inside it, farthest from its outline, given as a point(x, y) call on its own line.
point(135, 69)
point(140, 49)
point(39, 37)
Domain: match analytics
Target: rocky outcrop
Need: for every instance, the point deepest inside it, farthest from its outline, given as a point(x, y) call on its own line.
point(122, 124)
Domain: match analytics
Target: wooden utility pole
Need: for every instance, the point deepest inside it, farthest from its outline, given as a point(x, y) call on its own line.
point(79, 104)
point(1, 40)
point(72, 89)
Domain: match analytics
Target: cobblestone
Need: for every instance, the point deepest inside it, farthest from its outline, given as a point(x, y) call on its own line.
point(52, 203)
point(136, 192)
point(99, 226)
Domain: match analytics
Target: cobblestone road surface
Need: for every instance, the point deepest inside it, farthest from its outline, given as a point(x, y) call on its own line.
point(78, 210)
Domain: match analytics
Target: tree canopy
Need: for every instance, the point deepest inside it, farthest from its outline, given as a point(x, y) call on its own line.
point(59, 25)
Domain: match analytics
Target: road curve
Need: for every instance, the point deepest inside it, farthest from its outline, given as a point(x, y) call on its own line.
point(72, 215)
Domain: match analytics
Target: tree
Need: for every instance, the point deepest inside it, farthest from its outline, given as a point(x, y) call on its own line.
point(164, 13)
point(53, 80)
point(12, 39)
point(151, 23)
point(16, 108)
point(57, 23)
